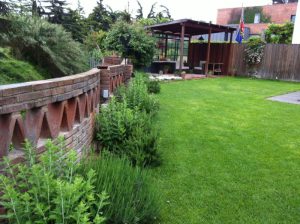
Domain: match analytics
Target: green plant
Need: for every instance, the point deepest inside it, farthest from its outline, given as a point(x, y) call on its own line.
point(44, 44)
point(254, 51)
point(125, 131)
point(279, 33)
point(131, 41)
point(48, 189)
point(132, 198)
point(153, 86)
point(137, 96)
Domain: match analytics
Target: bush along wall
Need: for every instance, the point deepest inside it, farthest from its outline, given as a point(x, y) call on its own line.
point(125, 131)
point(125, 126)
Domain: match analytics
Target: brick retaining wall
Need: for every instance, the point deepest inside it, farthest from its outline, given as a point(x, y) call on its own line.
point(113, 76)
point(46, 109)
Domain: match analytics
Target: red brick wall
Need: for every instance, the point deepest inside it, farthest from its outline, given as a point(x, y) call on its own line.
point(113, 76)
point(112, 60)
point(47, 109)
point(279, 13)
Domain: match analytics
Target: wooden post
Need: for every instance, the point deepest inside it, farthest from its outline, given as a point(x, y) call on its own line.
point(208, 52)
point(181, 47)
point(190, 59)
point(229, 54)
point(166, 46)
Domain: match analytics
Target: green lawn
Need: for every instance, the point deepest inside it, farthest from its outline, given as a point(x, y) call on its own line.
point(229, 155)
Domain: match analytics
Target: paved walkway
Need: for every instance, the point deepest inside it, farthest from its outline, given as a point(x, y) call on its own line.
point(293, 98)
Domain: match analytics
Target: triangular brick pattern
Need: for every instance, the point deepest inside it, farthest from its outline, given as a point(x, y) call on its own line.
point(66, 106)
point(71, 115)
point(18, 136)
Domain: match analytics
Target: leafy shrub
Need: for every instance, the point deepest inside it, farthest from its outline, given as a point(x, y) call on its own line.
point(279, 33)
point(254, 51)
point(131, 41)
point(126, 131)
point(153, 86)
point(50, 191)
point(136, 95)
point(132, 197)
point(44, 44)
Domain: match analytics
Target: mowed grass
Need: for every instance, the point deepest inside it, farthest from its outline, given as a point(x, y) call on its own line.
point(229, 155)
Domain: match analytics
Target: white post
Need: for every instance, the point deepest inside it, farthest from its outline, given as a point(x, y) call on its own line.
point(296, 35)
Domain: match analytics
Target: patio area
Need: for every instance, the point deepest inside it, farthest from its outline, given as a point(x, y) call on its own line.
point(172, 77)
point(178, 51)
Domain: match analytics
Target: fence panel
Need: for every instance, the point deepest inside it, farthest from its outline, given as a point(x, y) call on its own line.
point(280, 61)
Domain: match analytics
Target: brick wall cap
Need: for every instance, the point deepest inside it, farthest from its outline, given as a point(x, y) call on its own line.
point(28, 84)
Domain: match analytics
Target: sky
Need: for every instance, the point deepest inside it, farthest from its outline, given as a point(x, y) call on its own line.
point(204, 10)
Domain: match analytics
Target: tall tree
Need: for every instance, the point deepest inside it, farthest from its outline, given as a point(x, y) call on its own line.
point(76, 24)
point(140, 14)
point(100, 18)
point(56, 11)
point(165, 12)
point(151, 14)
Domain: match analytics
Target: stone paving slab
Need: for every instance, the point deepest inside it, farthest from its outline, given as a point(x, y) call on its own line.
point(293, 98)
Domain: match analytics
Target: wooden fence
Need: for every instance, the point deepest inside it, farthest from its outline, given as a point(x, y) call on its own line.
point(280, 61)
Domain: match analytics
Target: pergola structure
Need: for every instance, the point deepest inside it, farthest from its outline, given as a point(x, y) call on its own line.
point(188, 28)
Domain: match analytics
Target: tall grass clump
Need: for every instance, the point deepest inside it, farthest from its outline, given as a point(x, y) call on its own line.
point(132, 196)
point(49, 189)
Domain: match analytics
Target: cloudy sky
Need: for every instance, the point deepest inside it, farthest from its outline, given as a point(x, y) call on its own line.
point(205, 10)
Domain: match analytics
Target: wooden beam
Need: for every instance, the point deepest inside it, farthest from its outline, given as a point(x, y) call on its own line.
point(181, 47)
point(166, 46)
point(208, 52)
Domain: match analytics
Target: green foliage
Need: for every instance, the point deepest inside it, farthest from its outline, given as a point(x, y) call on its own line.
point(280, 34)
point(132, 197)
point(94, 42)
point(137, 97)
point(153, 21)
point(125, 131)
point(14, 71)
point(153, 86)
point(249, 15)
point(131, 41)
point(76, 24)
point(254, 51)
point(100, 18)
point(49, 190)
point(44, 44)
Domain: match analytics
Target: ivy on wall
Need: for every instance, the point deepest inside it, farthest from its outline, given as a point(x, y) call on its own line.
point(249, 15)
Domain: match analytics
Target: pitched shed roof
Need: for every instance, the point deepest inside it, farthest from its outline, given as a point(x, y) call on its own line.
point(192, 27)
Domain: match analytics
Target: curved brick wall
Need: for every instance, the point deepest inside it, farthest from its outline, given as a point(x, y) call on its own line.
point(47, 109)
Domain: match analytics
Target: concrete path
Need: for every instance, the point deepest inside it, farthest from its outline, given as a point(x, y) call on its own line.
point(293, 98)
